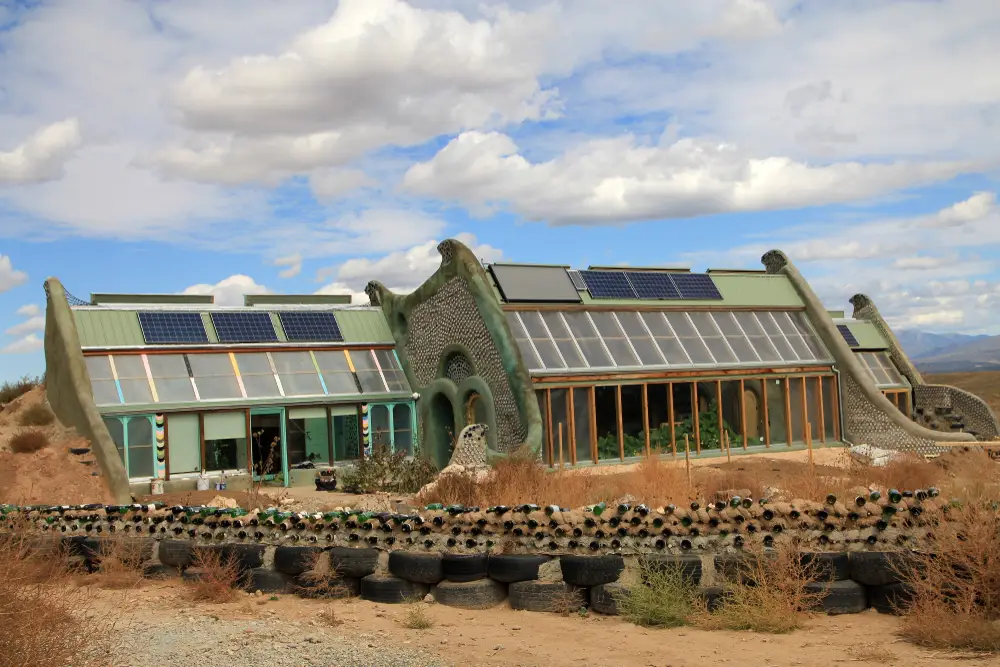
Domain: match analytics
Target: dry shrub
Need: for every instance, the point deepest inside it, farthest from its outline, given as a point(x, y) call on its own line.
point(49, 623)
point(329, 617)
point(121, 564)
point(417, 618)
point(218, 579)
point(10, 391)
point(665, 598)
point(321, 579)
point(28, 440)
point(872, 652)
point(956, 583)
point(36, 415)
point(571, 601)
point(769, 595)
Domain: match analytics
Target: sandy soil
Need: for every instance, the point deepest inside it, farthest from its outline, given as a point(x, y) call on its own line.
point(502, 636)
point(51, 475)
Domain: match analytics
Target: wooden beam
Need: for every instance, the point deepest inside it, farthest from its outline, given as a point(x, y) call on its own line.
point(819, 406)
point(592, 398)
point(806, 422)
point(743, 413)
point(788, 412)
point(664, 376)
point(670, 418)
point(548, 417)
point(645, 415)
point(621, 434)
point(572, 427)
point(836, 409)
point(718, 405)
point(694, 417)
point(767, 417)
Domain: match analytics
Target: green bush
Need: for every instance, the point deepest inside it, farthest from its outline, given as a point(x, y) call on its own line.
point(13, 390)
point(389, 472)
point(665, 599)
point(659, 438)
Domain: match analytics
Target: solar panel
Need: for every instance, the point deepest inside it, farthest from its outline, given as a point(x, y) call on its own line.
point(577, 279)
point(848, 335)
point(652, 284)
point(244, 327)
point(310, 326)
point(534, 283)
point(696, 286)
point(608, 285)
point(166, 328)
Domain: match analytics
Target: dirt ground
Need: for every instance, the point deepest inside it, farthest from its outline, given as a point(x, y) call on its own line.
point(985, 384)
point(502, 637)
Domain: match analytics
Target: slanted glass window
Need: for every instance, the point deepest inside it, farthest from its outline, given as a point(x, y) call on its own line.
point(614, 338)
point(395, 378)
point(337, 374)
point(774, 333)
point(757, 336)
point(791, 332)
point(589, 341)
point(890, 368)
point(734, 335)
point(642, 341)
point(523, 342)
point(402, 428)
point(367, 371)
point(713, 338)
point(214, 376)
point(546, 348)
point(170, 376)
point(689, 338)
point(258, 378)
point(665, 339)
point(102, 380)
point(564, 340)
point(875, 368)
point(132, 378)
point(297, 373)
point(801, 324)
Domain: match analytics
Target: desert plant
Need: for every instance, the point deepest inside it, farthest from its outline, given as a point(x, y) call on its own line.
point(216, 579)
point(10, 391)
point(664, 599)
point(768, 595)
point(417, 618)
point(329, 617)
point(121, 564)
point(390, 472)
point(321, 579)
point(28, 440)
point(36, 415)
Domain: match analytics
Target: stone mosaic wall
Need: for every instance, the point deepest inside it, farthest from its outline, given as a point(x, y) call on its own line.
point(975, 412)
point(866, 424)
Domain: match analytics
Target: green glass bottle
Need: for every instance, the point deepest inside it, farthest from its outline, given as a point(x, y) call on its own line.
point(735, 501)
point(895, 496)
point(831, 499)
point(599, 508)
point(434, 507)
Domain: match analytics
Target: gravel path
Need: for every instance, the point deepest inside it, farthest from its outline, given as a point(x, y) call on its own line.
point(250, 643)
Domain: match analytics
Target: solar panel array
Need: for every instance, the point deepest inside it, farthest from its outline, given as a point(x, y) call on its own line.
point(650, 285)
point(172, 328)
point(848, 335)
point(577, 279)
point(310, 326)
point(244, 327)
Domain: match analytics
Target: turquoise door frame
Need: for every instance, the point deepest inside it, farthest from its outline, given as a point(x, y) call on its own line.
point(125, 419)
point(390, 407)
point(284, 447)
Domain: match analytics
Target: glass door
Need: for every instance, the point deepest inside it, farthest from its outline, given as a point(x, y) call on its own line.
point(133, 437)
point(268, 449)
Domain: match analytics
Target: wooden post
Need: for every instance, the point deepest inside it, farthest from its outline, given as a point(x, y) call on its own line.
point(592, 399)
point(572, 426)
point(695, 420)
point(548, 430)
point(767, 417)
point(743, 412)
point(805, 411)
point(621, 434)
point(809, 442)
point(645, 414)
point(788, 412)
point(687, 458)
point(836, 409)
point(819, 406)
point(560, 445)
point(670, 418)
point(718, 410)
point(729, 457)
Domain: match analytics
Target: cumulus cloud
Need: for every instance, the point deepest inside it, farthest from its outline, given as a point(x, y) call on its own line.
point(41, 156)
point(229, 291)
point(29, 310)
point(26, 345)
point(36, 323)
point(9, 276)
point(292, 264)
point(329, 184)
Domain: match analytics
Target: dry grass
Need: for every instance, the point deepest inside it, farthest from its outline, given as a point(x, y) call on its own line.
point(36, 415)
point(219, 579)
point(664, 599)
point(329, 617)
point(49, 623)
point(770, 594)
point(321, 579)
point(28, 440)
point(872, 652)
point(416, 617)
point(956, 591)
point(10, 391)
point(121, 564)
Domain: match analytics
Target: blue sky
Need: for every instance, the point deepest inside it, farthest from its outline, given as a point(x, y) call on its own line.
point(252, 145)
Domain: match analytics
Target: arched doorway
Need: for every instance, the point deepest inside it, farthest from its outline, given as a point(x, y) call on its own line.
point(752, 408)
point(441, 432)
point(475, 409)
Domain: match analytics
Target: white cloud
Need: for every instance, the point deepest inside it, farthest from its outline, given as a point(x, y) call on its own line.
point(41, 156)
point(617, 180)
point(9, 276)
point(28, 344)
point(329, 184)
point(293, 264)
point(36, 323)
point(29, 310)
point(229, 291)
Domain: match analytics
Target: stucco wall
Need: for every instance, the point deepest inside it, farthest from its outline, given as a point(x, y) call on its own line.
point(67, 386)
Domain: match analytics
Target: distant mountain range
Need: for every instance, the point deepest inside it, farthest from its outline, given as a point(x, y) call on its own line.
point(951, 353)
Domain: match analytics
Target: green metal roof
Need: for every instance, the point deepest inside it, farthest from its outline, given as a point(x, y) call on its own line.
point(108, 328)
point(364, 326)
point(157, 299)
point(296, 299)
point(738, 291)
point(867, 334)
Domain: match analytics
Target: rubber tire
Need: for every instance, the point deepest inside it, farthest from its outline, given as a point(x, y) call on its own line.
point(828, 565)
point(875, 568)
point(465, 567)
point(246, 556)
point(890, 598)
point(690, 566)
point(548, 596)
point(295, 560)
point(604, 598)
point(840, 597)
point(713, 597)
point(159, 571)
point(346, 587)
point(389, 589)
point(46, 547)
point(209, 551)
point(479, 594)
point(511, 568)
point(735, 568)
point(587, 571)
point(354, 562)
point(176, 553)
point(420, 568)
point(268, 581)
point(86, 547)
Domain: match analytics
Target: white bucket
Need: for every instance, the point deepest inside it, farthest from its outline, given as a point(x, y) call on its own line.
point(202, 484)
point(156, 487)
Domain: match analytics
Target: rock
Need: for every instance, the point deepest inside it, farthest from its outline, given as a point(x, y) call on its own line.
point(429, 598)
point(550, 571)
point(222, 501)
